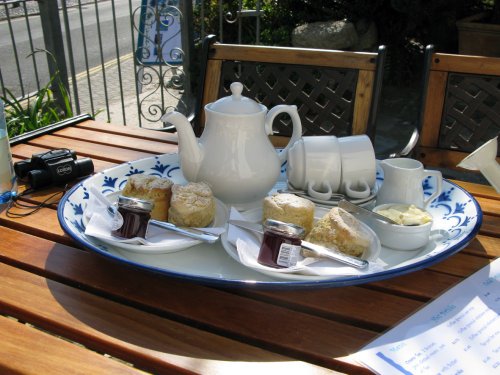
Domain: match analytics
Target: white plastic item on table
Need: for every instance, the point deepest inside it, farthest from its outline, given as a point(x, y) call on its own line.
point(484, 160)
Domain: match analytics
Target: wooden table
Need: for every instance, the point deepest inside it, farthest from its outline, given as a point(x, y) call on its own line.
point(64, 309)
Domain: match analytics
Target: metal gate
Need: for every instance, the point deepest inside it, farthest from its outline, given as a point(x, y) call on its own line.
point(123, 61)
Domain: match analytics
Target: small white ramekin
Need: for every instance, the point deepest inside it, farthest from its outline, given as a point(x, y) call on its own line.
point(401, 237)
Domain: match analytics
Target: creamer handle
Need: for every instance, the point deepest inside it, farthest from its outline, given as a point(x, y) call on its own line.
point(297, 125)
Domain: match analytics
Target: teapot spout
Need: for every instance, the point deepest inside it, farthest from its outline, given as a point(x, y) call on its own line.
point(190, 150)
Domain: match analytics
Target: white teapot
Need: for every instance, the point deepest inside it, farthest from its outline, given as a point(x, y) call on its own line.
point(234, 154)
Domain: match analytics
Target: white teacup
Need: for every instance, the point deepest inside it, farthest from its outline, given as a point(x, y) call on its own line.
point(314, 165)
point(358, 166)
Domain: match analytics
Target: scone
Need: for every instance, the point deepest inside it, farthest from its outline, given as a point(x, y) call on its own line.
point(289, 208)
point(192, 205)
point(155, 189)
point(338, 227)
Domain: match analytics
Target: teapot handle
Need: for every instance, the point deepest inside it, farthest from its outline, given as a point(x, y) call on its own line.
point(297, 125)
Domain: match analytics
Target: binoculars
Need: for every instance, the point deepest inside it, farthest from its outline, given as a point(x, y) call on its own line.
point(53, 167)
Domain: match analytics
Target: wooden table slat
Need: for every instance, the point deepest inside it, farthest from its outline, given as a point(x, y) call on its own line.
point(92, 150)
point(133, 131)
point(44, 223)
point(49, 227)
point(129, 334)
point(27, 350)
point(488, 206)
point(483, 245)
point(490, 226)
point(478, 190)
point(122, 141)
point(337, 303)
point(461, 265)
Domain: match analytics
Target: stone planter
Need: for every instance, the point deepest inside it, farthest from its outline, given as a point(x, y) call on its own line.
point(478, 38)
point(337, 35)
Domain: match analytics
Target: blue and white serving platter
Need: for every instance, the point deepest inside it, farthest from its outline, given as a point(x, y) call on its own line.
point(454, 211)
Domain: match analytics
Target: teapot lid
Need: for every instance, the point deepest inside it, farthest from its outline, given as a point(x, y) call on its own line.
point(236, 103)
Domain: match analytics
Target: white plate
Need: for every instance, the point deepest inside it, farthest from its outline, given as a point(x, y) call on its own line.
point(455, 211)
point(255, 215)
point(175, 243)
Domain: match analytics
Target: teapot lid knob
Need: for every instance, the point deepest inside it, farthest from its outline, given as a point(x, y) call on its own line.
point(236, 103)
point(236, 89)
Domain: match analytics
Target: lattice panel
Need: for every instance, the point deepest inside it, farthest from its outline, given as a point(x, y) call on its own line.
point(324, 97)
point(471, 111)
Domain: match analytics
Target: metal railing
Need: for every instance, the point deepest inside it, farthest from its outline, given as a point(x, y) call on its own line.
point(123, 61)
point(12, 55)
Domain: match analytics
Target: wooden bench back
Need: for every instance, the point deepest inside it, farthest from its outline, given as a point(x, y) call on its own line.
point(461, 107)
point(336, 92)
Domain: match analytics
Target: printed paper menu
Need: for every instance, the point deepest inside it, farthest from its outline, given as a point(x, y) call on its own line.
point(458, 333)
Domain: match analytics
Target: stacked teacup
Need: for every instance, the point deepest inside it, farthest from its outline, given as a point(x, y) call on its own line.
point(325, 165)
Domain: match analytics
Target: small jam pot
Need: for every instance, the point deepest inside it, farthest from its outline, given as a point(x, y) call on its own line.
point(132, 217)
point(281, 244)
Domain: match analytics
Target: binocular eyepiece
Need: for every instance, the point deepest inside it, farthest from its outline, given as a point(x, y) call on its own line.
point(53, 167)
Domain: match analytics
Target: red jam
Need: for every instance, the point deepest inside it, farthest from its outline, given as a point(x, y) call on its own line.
point(280, 245)
point(132, 217)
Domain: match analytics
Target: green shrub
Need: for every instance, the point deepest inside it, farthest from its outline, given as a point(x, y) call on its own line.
point(36, 111)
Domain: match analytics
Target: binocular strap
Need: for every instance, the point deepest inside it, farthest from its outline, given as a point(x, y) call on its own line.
point(19, 208)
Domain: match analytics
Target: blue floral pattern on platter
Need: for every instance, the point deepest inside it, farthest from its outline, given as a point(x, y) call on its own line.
point(454, 211)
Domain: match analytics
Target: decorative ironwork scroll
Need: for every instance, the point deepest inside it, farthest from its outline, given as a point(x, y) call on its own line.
point(160, 75)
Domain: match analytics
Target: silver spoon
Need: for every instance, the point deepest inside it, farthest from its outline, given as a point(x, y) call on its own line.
point(409, 146)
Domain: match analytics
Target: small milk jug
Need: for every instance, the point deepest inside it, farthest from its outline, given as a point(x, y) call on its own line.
point(403, 180)
point(7, 175)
